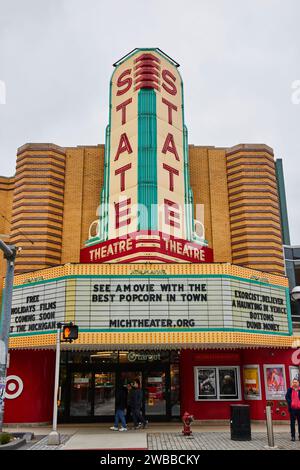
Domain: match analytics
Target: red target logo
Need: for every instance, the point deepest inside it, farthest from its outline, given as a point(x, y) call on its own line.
point(296, 357)
point(14, 387)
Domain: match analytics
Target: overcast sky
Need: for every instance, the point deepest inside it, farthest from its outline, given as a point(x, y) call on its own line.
point(239, 61)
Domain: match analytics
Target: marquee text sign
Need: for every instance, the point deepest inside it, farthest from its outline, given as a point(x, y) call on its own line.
point(151, 303)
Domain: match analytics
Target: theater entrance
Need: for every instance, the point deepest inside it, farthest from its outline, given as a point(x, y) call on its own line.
point(89, 384)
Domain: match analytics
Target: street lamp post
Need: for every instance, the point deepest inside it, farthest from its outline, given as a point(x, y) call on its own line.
point(10, 256)
point(70, 333)
point(54, 436)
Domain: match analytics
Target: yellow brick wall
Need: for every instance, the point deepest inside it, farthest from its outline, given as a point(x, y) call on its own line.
point(222, 181)
point(209, 185)
point(256, 238)
point(37, 209)
point(83, 183)
point(6, 194)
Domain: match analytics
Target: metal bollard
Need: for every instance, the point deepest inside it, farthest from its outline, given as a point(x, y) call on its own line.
point(270, 431)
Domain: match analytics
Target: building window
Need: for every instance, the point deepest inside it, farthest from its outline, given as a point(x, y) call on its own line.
point(296, 253)
point(217, 383)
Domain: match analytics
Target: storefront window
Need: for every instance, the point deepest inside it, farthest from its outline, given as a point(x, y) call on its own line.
point(217, 383)
point(296, 253)
point(62, 390)
point(103, 357)
point(155, 393)
point(80, 402)
point(104, 394)
point(175, 391)
point(78, 357)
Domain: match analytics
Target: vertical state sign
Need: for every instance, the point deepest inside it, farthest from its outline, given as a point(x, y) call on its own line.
point(170, 153)
point(123, 145)
point(146, 200)
point(146, 147)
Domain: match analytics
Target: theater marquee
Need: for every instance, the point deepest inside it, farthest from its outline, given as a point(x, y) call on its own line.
point(149, 303)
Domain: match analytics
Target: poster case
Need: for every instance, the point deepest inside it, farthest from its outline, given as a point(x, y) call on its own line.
point(275, 381)
point(220, 383)
point(294, 374)
point(251, 382)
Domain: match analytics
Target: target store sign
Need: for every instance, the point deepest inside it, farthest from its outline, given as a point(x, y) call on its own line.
point(14, 387)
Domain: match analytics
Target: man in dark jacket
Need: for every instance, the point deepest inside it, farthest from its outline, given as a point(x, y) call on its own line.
point(293, 400)
point(121, 405)
point(136, 400)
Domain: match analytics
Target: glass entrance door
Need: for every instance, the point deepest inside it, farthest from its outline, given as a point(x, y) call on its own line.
point(104, 394)
point(89, 389)
point(81, 396)
point(154, 388)
point(155, 393)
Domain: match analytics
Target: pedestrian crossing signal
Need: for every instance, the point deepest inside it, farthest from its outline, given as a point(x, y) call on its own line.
point(70, 333)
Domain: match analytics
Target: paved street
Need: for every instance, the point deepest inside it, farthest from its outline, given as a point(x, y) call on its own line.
point(217, 441)
point(158, 437)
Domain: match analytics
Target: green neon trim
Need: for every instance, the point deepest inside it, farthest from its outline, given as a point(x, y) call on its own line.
point(289, 310)
point(33, 333)
point(2, 307)
point(146, 49)
point(282, 202)
point(92, 241)
point(147, 160)
point(188, 192)
point(142, 276)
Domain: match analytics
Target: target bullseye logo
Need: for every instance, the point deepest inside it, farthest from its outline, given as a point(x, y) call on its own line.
point(14, 387)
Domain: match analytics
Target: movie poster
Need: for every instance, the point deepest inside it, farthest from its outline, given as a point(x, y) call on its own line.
point(275, 383)
point(228, 383)
point(251, 383)
point(207, 384)
point(294, 373)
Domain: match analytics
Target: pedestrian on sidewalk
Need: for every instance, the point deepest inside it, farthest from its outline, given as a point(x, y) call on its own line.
point(121, 405)
point(293, 400)
point(136, 406)
point(130, 392)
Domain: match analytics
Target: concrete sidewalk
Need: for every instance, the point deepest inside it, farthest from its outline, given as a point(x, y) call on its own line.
point(157, 436)
point(107, 440)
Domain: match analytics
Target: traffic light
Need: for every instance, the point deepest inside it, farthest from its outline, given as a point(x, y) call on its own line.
point(70, 332)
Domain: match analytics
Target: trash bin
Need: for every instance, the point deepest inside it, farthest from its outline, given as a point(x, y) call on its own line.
point(240, 425)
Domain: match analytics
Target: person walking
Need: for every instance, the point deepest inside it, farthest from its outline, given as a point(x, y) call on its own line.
point(130, 392)
point(293, 400)
point(121, 405)
point(136, 406)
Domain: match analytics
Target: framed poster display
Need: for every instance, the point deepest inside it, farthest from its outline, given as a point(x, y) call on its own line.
point(251, 382)
point(275, 381)
point(294, 373)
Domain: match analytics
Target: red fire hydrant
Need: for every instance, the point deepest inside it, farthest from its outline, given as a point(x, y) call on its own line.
point(187, 419)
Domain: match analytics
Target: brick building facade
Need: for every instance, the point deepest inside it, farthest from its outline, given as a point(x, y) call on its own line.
point(224, 332)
